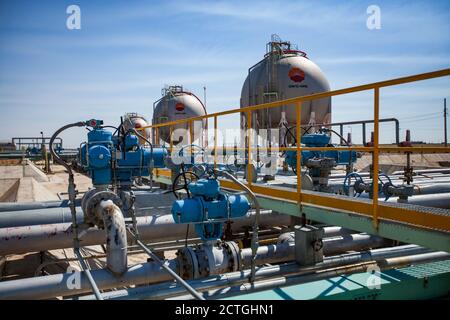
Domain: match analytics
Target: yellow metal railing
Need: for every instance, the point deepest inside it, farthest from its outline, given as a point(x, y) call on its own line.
point(405, 215)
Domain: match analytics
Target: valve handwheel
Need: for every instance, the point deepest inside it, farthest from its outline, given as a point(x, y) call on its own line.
point(385, 185)
point(182, 181)
point(348, 183)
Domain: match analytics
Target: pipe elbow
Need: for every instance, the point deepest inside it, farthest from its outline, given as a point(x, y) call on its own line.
point(116, 237)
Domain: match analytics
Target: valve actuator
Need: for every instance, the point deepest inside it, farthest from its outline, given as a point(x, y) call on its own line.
point(113, 159)
point(208, 207)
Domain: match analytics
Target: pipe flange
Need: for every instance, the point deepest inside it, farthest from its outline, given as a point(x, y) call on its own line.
point(187, 263)
point(91, 199)
point(234, 253)
point(205, 262)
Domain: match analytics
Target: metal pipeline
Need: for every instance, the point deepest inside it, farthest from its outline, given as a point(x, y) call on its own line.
point(267, 284)
point(56, 285)
point(18, 206)
point(167, 290)
point(328, 232)
point(436, 200)
point(88, 274)
point(437, 170)
point(163, 265)
point(64, 284)
point(285, 251)
point(439, 200)
point(33, 216)
point(414, 259)
point(59, 212)
point(431, 188)
point(67, 284)
point(151, 229)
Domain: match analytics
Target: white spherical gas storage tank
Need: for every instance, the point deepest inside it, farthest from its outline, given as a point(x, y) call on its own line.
point(176, 104)
point(286, 73)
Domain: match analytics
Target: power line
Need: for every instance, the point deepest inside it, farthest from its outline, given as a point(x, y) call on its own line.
point(445, 121)
point(421, 119)
point(420, 116)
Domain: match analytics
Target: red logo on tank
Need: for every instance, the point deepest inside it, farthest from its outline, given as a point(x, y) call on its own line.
point(179, 106)
point(296, 75)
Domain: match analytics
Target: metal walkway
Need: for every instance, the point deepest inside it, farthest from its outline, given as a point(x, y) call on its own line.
point(396, 221)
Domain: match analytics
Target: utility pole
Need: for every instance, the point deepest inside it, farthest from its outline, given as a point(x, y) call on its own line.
point(445, 121)
point(204, 96)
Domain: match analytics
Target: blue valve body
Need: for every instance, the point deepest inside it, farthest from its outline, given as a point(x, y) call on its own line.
point(319, 140)
point(208, 204)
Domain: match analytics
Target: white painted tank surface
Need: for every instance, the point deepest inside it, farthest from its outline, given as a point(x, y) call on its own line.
point(284, 73)
point(176, 104)
point(134, 120)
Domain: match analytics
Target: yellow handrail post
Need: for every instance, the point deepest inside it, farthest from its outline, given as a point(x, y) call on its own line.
point(215, 142)
point(191, 140)
point(376, 115)
point(249, 150)
point(299, 151)
point(170, 138)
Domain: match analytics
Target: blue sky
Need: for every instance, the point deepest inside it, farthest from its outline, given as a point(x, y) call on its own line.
point(126, 51)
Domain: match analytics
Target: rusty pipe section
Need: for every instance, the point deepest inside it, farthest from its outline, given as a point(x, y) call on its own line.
point(116, 237)
point(154, 228)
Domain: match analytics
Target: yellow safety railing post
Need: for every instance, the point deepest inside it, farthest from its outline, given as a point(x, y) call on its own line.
point(375, 154)
point(299, 151)
point(249, 149)
point(191, 140)
point(215, 142)
point(170, 138)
